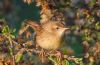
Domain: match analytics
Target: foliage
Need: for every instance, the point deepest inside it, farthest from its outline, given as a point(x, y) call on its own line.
point(81, 16)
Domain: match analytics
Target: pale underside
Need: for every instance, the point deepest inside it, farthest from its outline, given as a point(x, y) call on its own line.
point(50, 41)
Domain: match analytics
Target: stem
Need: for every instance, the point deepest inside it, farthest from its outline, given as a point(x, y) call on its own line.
point(12, 48)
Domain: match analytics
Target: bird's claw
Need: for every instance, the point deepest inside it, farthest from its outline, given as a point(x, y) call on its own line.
point(58, 54)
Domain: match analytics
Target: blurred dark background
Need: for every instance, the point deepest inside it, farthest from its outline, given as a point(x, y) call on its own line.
point(16, 11)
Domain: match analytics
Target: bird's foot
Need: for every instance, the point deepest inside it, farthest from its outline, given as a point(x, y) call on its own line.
point(58, 54)
point(55, 53)
point(42, 55)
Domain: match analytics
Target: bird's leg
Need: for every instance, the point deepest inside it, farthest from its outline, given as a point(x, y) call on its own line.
point(57, 53)
point(42, 55)
point(36, 46)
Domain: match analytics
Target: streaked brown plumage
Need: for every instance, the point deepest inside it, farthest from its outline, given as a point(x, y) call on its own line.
point(49, 35)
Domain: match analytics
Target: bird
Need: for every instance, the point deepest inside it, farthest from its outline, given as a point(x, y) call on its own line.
point(49, 35)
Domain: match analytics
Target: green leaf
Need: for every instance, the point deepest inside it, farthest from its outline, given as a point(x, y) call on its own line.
point(5, 30)
point(14, 30)
point(65, 62)
point(92, 3)
point(12, 36)
point(11, 52)
point(18, 57)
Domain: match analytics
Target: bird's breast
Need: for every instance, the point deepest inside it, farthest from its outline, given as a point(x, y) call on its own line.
point(48, 41)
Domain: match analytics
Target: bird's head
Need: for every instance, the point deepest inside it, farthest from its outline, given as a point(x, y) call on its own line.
point(57, 28)
point(52, 27)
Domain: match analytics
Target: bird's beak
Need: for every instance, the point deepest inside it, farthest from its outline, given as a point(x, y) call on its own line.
point(67, 30)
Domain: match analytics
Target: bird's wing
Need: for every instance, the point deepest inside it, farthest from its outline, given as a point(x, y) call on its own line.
point(34, 25)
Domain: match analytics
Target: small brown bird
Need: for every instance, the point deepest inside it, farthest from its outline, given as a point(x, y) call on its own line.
point(49, 35)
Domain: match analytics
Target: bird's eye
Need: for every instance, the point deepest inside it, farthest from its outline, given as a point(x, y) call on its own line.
point(57, 28)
